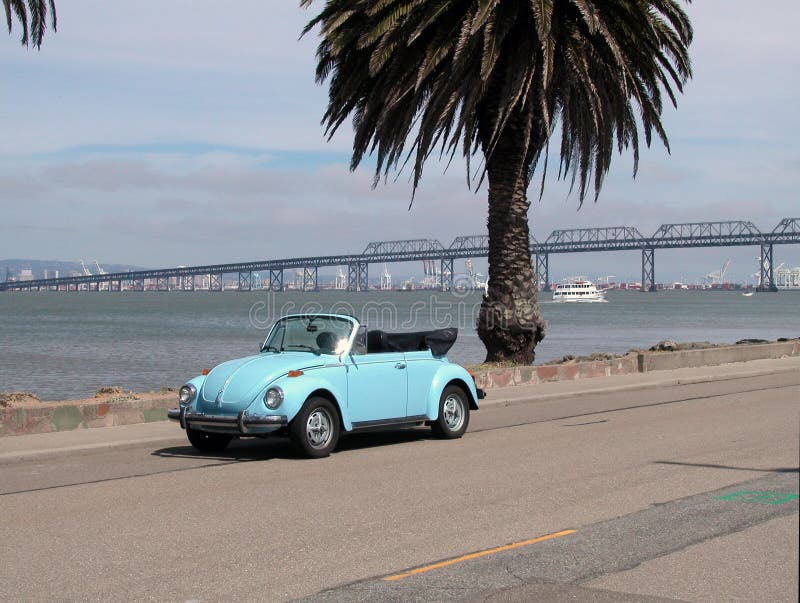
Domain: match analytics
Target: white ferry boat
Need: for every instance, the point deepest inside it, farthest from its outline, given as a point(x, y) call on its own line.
point(578, 290)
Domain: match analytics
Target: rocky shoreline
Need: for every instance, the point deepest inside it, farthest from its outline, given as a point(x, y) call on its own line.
point(106, 395)
point(665, 345)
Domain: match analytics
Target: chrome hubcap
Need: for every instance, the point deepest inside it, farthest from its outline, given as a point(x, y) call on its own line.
point(453, 412)
point(319, 428)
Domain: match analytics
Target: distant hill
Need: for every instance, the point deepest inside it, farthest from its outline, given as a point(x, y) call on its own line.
point(14, 268)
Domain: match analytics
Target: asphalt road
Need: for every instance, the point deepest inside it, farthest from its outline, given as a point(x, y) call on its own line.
point(685, 491)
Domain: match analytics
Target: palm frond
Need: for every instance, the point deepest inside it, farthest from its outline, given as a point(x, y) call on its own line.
point(419, 75)
point(32, 18)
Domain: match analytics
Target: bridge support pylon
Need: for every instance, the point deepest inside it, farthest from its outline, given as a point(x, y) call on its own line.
point(446, 273)
point(187, 282)
point(358, 276)
point(215, 282)
point(245, 281)
point(542, 272)
point(310, 279)
point(648, 269)
point(766, 283)
point(276, 280)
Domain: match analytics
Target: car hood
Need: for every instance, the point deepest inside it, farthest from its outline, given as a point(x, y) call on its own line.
point(235, 383)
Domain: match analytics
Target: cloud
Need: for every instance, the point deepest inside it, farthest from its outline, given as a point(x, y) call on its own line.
point(27, 228)
point(102, 175)
point(20, 187)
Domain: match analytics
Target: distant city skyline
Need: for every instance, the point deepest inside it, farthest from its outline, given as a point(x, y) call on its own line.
point(615, 267)
point(167, 134)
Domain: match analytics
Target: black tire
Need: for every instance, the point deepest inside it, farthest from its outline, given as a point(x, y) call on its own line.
point(315, 430)
point(208, 442)
point(453, 416)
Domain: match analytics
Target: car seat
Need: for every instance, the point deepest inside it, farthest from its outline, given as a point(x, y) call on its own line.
point(326, 342)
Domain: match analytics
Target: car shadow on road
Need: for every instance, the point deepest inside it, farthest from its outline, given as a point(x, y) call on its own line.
point(714, 466)
point(238, 450)
point(275, 447)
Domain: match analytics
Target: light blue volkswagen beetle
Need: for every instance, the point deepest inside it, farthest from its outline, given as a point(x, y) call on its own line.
point(321, 374)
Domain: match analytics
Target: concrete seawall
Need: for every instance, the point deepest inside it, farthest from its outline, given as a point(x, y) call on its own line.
point(72, 414)
point(660, 361)
point(69, 415)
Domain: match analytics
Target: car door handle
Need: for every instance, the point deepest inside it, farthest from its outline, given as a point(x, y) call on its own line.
point(400, 365)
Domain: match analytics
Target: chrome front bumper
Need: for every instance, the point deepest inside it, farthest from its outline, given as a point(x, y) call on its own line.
point(242, 422)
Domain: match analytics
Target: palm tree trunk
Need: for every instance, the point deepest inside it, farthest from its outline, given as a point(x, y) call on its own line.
point(510, 323)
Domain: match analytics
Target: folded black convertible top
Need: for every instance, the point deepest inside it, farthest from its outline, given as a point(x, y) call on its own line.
point(438, 341)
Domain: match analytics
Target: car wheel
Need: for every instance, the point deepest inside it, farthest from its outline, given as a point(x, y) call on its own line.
point(315, 430)
point(453, 413)
point(208, 442)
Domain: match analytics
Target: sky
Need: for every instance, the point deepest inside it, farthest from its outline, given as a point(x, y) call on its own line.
point(174, 133)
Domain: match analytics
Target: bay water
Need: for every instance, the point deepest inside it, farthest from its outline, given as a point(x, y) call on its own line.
point(60, 345)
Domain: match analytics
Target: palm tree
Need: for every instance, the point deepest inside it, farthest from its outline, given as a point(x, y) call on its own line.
point(38, 18)
point(499, 77)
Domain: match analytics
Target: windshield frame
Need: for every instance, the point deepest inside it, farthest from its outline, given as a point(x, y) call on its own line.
point(354, 324)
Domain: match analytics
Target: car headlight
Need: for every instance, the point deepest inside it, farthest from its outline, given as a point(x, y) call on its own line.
point(187, 393)
point(273, 398)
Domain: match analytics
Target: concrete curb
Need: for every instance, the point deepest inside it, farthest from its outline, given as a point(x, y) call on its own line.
point(71, 415)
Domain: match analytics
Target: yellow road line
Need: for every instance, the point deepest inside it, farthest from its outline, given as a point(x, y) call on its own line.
point(499, 549)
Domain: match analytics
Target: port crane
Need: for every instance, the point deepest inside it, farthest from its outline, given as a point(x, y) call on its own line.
point(715, 278)
point(84, 270)
point(101, 286)
point(431, 274)
point(757, 275)
point(386, 279)
point(787, 278)
point(474, 278)
point(340, 283)
point(298, 280)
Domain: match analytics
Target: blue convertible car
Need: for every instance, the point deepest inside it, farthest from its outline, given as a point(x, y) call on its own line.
point(321, 374)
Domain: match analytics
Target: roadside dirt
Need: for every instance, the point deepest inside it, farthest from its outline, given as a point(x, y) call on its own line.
point(665, 345)
point(19, 400)
point(109, 395)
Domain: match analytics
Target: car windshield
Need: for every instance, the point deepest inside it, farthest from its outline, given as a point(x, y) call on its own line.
point(316, 334)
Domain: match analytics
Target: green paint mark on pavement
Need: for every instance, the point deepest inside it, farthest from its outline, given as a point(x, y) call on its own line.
point(760, 497)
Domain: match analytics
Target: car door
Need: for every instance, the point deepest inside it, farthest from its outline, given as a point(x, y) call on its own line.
point(421, 368)
point(377, 388)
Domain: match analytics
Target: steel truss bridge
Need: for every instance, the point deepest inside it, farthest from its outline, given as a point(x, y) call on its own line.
point(582, 240)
